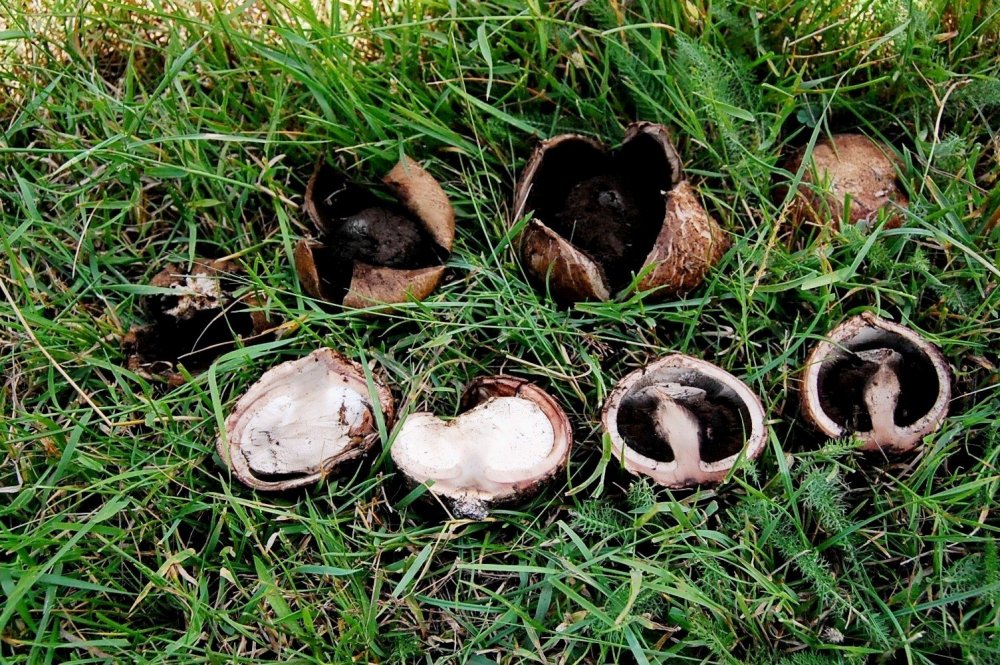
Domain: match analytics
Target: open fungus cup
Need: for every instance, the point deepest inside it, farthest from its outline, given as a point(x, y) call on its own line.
point(370, 250)
point(683, 422)
point(301, 420)
point(849, 178)
point(600, 217)
point(877, 380)
point(510, 439)
point(194, 319)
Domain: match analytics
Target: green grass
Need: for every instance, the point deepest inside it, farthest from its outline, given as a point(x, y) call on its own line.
point(132, 134)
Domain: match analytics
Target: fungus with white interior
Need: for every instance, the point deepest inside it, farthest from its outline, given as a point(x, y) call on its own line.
point(509, 440)
point(601, 217)
point(877, 380)
point(301, 420)
point(371, 250)
point(683, 422)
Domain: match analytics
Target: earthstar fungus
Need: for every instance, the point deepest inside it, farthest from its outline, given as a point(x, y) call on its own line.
point(509, 440)
point(600, 217)
point(370, 250)
point(877, 380)
point(301, 420)
point(683, 422)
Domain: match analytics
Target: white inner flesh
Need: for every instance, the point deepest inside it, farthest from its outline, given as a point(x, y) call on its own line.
point(199, 292)
point(303, 424)
point(484, 450)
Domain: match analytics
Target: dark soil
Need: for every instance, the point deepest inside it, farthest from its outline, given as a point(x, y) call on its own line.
point(356, 225)
point(609, 205)
point(724, 422)
point(842, 381)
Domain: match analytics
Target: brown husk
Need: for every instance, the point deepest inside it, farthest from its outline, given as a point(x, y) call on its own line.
point(855, 167)
point(684, 242)
point(420, 196)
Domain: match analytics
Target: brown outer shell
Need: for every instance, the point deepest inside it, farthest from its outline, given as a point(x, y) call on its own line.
point(570, 274)
point(856, 167)
point(228, 443)
point(812, 407)
point(662, 136)
point(668, 473)
point(423, 196)
point(689, 243)
point(484, 388)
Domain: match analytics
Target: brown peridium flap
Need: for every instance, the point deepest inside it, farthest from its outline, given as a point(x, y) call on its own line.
point(689, 244)
point(370, 284)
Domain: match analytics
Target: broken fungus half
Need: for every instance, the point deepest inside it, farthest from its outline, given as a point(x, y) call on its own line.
point(877, 380)
point(509, 440)
point(848, 170)
point(192, 319)
point(599, 217)
point(683, 422)
point(370, 250)
point(301, 420)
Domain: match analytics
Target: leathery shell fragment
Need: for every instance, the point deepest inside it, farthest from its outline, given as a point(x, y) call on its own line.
point(301, 420)
point(509, 441)
point(877, 380)
point(600, 217)
point(683, 422)
point(371, 251)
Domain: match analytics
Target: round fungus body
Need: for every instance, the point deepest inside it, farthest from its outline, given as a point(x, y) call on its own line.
point(509, 440)
point(683, 422)
point(600, 217)
point(849, 178)
point(193, 319)
point(301, 420)
point(877, 380)
point(370, 250)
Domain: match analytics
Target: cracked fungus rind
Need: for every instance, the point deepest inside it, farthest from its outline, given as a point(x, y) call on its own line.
point(482, 450)
point(298, 429)
point(301, 420)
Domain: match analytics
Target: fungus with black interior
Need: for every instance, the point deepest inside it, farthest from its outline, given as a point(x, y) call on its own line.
point(372, 250)
point(877, 380)
point(193, 318)
point(508, 441)
point(600, 217)
point(683, 422)
point(301, 420)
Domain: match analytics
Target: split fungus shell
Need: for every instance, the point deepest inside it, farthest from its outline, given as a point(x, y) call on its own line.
point(509, 441)
point(855, 169)
point(877, 380)
point(683, 422)
point(301, 420)
point(600, 217)
point(196, 320)
point(371, 251)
